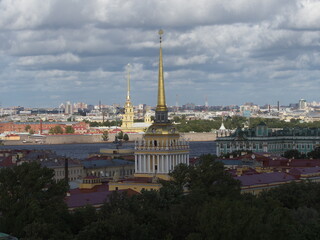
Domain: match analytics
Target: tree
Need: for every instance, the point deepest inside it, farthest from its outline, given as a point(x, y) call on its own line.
point(125, 137)
point(120, 135)
point(69, 129)
point(315, 154)
point(206, 178)
point(105, 136)
point(56, 130)
point(28, 195)
point(293, 153)
point(27, 128)
point(31, 131)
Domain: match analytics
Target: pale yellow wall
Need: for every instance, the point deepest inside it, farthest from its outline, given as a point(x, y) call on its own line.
point(113, 186)
point(161, 176)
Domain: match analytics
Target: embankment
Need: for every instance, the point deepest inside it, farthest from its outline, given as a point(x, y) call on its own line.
point(69, 139)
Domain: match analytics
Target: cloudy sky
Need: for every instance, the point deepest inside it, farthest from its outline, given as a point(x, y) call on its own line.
point(231, 51)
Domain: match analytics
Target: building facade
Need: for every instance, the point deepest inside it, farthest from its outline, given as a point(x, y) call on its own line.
point(42, 127)
point(262, 139)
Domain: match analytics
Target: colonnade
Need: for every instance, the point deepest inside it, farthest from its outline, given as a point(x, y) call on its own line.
point(151, 143)
point(160, 163)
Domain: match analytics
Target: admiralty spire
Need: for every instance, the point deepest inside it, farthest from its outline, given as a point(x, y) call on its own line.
point(162, 147)
point(161, 110)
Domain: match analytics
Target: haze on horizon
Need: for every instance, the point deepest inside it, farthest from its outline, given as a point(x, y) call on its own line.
point(232, 51)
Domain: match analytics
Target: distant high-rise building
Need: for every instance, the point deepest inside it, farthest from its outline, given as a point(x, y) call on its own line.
point(68, 108)
point(302, 104)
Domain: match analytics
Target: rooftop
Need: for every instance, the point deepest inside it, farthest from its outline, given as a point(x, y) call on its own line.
point(265, 178)
point(93, 163)
point(95, 196)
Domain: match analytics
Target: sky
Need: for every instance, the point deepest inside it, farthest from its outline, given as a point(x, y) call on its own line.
point(228, 52)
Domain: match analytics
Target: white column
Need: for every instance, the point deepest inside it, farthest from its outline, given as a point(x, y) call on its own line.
point(167, 163)
point(163, 163)
point(139, 164)
point(136, 163)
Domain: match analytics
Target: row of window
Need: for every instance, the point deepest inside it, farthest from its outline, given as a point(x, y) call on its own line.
point(270, 146)
point(60, 173)
point(122, 172)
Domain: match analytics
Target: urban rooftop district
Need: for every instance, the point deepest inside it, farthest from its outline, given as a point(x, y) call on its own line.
point(302, 110)
point(124, 171)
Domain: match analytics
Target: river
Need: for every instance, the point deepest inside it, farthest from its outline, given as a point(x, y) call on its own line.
point(81, 151)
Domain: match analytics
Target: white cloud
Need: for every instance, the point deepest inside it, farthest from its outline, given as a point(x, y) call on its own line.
point(213, 46)
point(47, 59)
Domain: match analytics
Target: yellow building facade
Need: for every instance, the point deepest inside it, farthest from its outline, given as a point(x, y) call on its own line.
point(128, 124)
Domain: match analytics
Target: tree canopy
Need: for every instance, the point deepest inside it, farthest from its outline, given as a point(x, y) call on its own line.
point(32, 203)
point(69, 129)
point(125, 137)
point(185, 125)
point(199, 202)
point(56, 130)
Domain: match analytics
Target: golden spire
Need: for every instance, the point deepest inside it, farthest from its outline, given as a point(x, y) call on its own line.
point(161, 106)
point(128, 82)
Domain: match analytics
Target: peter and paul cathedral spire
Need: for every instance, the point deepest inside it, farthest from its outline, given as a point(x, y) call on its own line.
point(161, 110)
point(128, 84)
point(127, 120)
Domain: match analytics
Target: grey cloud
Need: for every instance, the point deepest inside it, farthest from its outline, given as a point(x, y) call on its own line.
point(239, 48)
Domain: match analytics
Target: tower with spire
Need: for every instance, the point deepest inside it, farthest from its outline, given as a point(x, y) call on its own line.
point(162, 147)
point(127, 120)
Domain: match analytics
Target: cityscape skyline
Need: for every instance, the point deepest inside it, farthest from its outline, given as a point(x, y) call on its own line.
point(217, 52)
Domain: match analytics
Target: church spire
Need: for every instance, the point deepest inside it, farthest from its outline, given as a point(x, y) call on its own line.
point(161, 110)
point(128, 82)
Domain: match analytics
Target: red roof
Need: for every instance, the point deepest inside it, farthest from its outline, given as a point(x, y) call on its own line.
point(95, 196)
